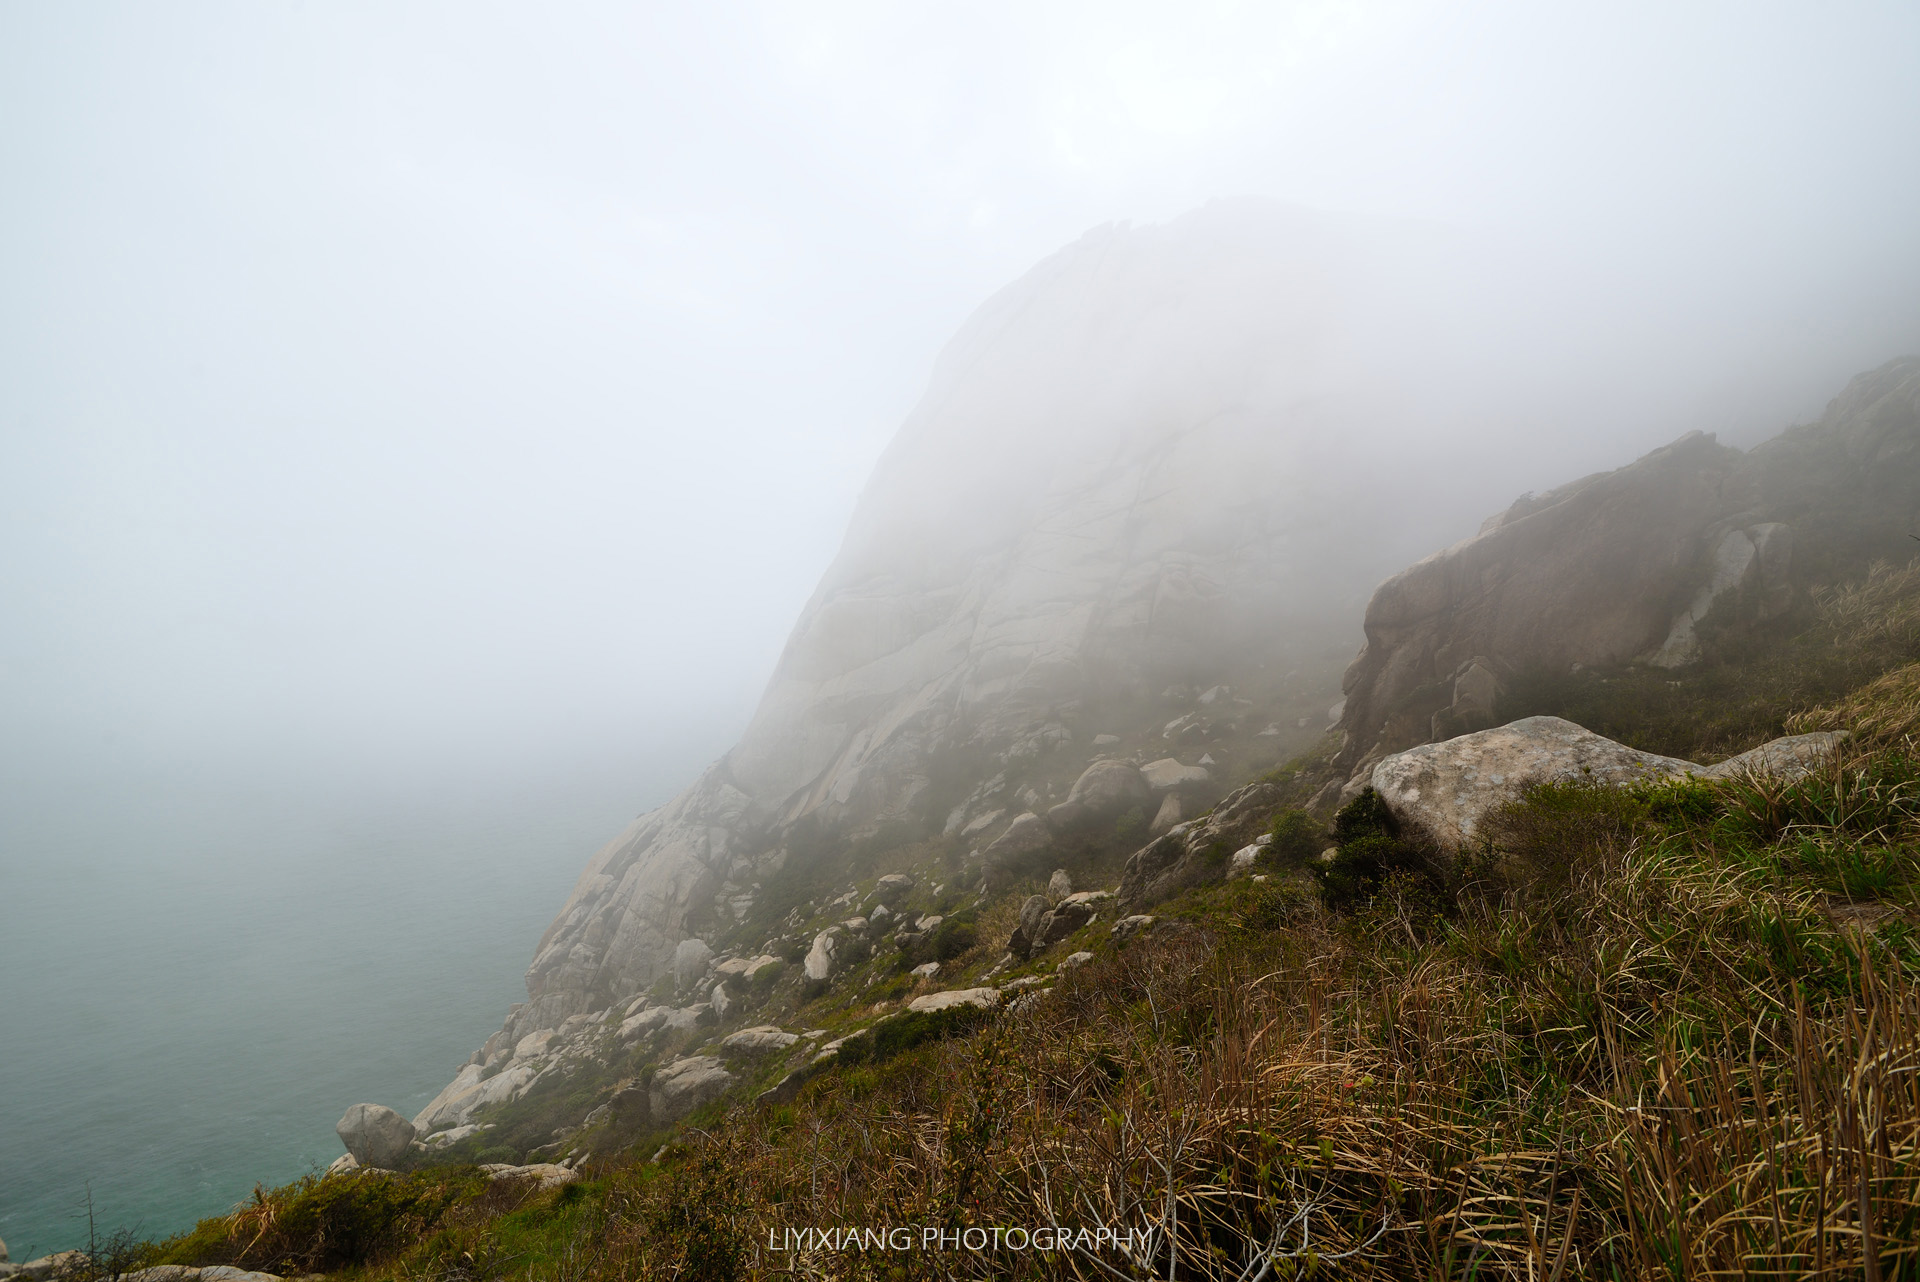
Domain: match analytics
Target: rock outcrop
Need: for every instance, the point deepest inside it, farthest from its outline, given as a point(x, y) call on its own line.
point(1444, 791)
point(375, 1135)
point(1623, 566)
point(1120, 475)
point(686, 1084)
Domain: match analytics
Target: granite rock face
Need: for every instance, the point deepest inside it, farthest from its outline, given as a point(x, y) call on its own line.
point(375, 1135)
point(1624, 566)
point(1444, 791)
point(686, 1084)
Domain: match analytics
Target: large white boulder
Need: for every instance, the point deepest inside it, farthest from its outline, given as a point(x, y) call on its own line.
point(823, 959)
point(375, 1135)
point(1444, 791)
point(984, 998)
point(685, 1085)
point(690, 958)
point(1103, 790)
point(1166, 775)
point(759, 1041)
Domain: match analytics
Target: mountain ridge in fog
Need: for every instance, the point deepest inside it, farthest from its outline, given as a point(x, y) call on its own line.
point(1160, 450)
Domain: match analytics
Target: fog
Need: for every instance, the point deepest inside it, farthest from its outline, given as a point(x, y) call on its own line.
point(465, 390)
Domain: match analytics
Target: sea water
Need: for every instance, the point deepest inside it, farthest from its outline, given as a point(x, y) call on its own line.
point(197, 979)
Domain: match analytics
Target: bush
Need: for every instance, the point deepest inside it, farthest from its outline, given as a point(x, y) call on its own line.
point(1369, 849)
point(320, 1224)
point(1297, 836)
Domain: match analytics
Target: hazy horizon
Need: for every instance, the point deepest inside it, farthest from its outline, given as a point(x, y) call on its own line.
point(423, 423)
point(404, 387)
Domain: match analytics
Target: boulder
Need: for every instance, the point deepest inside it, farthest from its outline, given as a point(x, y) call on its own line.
point(1073, 961)
point(1127, 927)
point(1028, 834)
point(1786, 758)
point(1059, 886)
point(984, 998)
point(546, 1175)
point(1033, 914)
point(720, 1002)
point(1190, 853)
point(690, 958)
point(1167, 816)
point(1442, 792)
point(981, 823)
point(892, 890)
point(685, 1085)
point(824, 958)
point(1191, 728)
point(687, 1018)
point(1067, 916)
point(647, 1021)
point(1108, 788)
point(375, 1135)
point(536, 1043)
point(926, 970)
point(1167, 775)
point(759, 1042)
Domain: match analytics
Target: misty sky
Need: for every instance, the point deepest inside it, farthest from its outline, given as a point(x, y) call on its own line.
point(394, 382)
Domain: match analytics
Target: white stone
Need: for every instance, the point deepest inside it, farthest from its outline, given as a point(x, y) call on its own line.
point(1445, 790)
point(1074, 961)
point(375, 1134)
point(985, 998)
point(1167, 774)
point(685, 1085)
point(823, 958)
point(759, 1041)
point(690, 957)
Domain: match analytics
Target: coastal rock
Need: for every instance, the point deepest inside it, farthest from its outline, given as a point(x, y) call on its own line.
point(1168, 775)
point(685, 1085)
point(760, 1041)
point(690, 957)
point(984, 998)
point(1027, 835)
point(1103, 791)
point(545, 1175)
point(1588, 576)
point(1443, 791)
point(1197, 851)
point(375, 1135)
point(892, 890)
point(823, 959)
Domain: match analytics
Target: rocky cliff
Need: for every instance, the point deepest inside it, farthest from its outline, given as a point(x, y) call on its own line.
point(1132, 470)
point(1624, 567)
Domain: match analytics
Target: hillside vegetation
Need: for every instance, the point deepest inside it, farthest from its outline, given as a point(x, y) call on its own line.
point(1670, 1031)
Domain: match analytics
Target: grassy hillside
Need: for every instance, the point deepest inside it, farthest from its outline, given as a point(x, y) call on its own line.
point(1668, 1032)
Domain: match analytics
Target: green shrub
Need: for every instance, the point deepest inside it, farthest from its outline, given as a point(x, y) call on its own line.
point(904, 1032)
point(1297, 837)
point(1368, 849)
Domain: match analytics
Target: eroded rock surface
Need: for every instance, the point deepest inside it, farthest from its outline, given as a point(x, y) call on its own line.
point(1626, 566)
point(1443, 792)
point(375, 1134)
